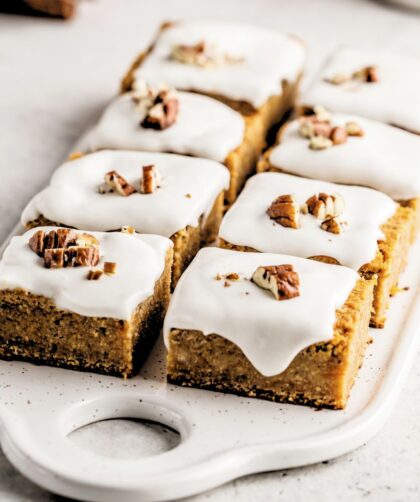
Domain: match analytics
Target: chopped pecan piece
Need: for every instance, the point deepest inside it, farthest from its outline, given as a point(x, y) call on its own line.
point(115, 182)
point(285, 211)
point(281, 280)
point(367, 74)
point(54, 258)
point(339, 78)
point(338, 135)
point(94, 275)
point(163, 113)
point(203, 55)
point(150, 179)
point(323, 205)
point(320, 143)
point(353, 129)
point(86, 240)
point(310, 127)
point(36, 242)
point(232, 276)
point(333, 225)
point(110, 267)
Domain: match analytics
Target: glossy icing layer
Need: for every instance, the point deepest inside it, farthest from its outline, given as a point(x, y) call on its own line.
point(269, 332)
point(140, 262)
point(365, 210)
point(268, 58)
point(189, 189)
point(385, 158)
point(204, 127)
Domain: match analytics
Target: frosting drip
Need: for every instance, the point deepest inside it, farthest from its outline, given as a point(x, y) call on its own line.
point(269, 332)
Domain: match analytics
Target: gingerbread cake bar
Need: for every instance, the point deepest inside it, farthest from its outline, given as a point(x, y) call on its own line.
point(377, 84)
point(252, 69)
point(268, 325)
point(348, 225)
point(83, 300)
point(153, 193)
point(158, 119)
point(364, 152)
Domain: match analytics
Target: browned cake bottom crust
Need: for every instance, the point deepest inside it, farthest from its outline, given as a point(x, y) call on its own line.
point(33, 329)
point(187, 241)
point(388, 264)
point(321, 375)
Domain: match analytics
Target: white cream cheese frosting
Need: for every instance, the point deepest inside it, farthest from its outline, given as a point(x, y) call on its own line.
point(365, 210)
point(268, 58)
point(394, 99)
point(204, 127)
point(385, 158)
point(269, 332)
point(189, 189)
point(140, 262)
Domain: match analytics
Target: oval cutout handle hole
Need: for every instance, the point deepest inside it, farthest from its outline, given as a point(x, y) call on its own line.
point(125, 438)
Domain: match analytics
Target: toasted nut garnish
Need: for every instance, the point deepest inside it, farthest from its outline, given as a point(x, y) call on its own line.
point(285, 211)
point(323, 206)
point(233, 276)
point(353, 129)
point(203, 55)
point(54, 258)
point(310, 127)
point(85, 256)
point(281, 280)
point(218, 277)
point(86, 240)
point(94, 275)
point(110, 267)
point(320, 143)
point(338, 135)
point(75, 155)
point(321, 113)
point(150, 179)
point(36, 242)
point(128, 230)
point(333, 225)
point(163, 113)
point(115, 182)
point(367, 74)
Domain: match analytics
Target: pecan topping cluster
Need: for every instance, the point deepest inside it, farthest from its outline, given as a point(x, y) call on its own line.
point(158, 107)
point(114, 182)
point(322, 134)
point(281, 280)
point(65, 248)
point(367, 74)
point(285, 211)
point(202, 55)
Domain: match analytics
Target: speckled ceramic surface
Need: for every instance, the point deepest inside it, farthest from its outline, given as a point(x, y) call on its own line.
point(222, 436)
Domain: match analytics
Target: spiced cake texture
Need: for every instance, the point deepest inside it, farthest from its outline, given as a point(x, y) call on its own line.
point(320, 375)
point(34, 329)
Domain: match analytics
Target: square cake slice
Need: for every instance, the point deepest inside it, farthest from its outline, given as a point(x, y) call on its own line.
point(266, 325)
point(254, 70)
point(85, 301)
point(353, 226)
point(171, 195)
point(379, 84)
point(158, 119)
point(348, 149)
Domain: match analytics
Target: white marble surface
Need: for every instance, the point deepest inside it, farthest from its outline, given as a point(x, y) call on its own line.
point(54, 80)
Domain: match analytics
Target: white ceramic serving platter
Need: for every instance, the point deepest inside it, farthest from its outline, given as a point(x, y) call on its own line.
point(222, 436)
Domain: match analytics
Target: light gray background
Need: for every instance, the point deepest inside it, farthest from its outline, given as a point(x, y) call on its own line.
point(55, 77)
